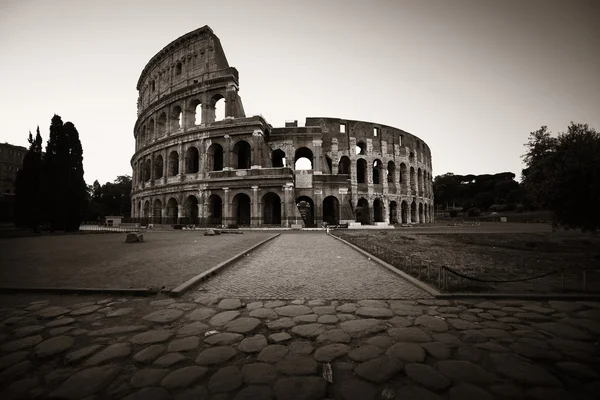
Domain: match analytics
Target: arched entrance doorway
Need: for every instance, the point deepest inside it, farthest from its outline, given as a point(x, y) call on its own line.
point(377, 210)
point(413, 212)
point(241, 207)
point(242, 153)
point(404, 211)
point(215, 210)
point(157, 212)
point(306, 207)
point(362, 211)
point(303, 159)
point(172, 211)
point(146, 212)
point(393, 212)
point(421, 216)
point(331, 210)
point(214, 157)
point(271, 209)
point(191, 211)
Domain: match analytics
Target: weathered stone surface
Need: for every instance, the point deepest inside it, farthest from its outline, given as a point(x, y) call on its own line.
point(230, 304)
point(412, 392)
point(274, 304)
point(80, 354)
point(577, 370)
point(403, 309)
point(15, 371)
point(119, 312)
point(293, 310)
point(253, 344)
point(348, 308)
point(169, 359)
point(308, 330)
point(200, 314)
point(363, 327)
point(162, 302)
point(28, 330)
point(60, 331)
point(330, 352)
point(468, 391)
point(430, 323)
point(383, 342)
point(469, 353)
point(12, 358)
point(538, 309)
point(272, 353)
point(193, 329)
point(357, 389)
point(281, 323)
point(254, 305)
point(154, 336)
point(526, 348)
point(183, 377)
point(54, 346)
point(333, 336)
point(473, 336)
point(300, 388)
point(149, 354)
point(147, 393)
point(266, 313)
point(461, 324)
point(493, 347)
point(488, 305)
point(365, 352)
point(117, 330)
point(522, 371)
point(375, 312)
point(221, 339)
point(86, 382)
point(184, 344)
point(328, 319)
point(226, 379)
point(411, 334)
point(52, 312)
point(215, 355)
point(308, 318)
point(148, 377)
point(20, 344)
point(19, 389)
point(255, 392)
point(164, 316)
point(427, 376)
point(439, 350)
point(373, 303)
point(279, 337)
point(259, 373)
point(85, 310)
point(242, 325)
point(297, 364)
point(464, 371)
point(562, 330)
point(112, 352)
point(223, 317)
point(316, 302)
point(301, 347)
point(379, 369)
point(60, 322)
point(408, 352)
point(531, 316)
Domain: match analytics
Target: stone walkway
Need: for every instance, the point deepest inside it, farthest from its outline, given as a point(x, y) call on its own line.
point(292, 266)
point(201, 347)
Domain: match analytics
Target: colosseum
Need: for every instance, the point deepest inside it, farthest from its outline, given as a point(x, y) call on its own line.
point(190, 167)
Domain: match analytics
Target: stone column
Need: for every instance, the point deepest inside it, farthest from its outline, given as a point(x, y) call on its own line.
point(256, 161)
point(288, 200)
point(226, 213)
point(181, 160)
point(317, 145)
point(255, 217)
point(180, 212)
point(165, 166)
point(227, 156)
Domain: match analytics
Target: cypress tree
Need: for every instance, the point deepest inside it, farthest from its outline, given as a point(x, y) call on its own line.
point(28, 185)
point(77, 189)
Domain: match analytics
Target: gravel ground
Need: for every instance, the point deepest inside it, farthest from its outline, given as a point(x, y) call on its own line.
point(102, 261)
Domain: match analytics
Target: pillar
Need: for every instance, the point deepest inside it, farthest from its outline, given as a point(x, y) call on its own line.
point(255, 218)
point(288, 199)
point(180, 212)
point(317, 145)
point(256, 149)
point(227, 162)
point(181, 160)
point(226, 213)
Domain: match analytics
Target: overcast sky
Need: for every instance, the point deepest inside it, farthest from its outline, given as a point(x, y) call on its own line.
point(471, 78)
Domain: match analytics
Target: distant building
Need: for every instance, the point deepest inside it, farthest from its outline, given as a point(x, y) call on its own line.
point(11, 160)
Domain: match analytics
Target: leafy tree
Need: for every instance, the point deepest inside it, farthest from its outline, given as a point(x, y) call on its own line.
point(28, 185)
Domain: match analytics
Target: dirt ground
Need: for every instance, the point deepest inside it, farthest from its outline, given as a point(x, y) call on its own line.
point(106, 261)
point(491, 256)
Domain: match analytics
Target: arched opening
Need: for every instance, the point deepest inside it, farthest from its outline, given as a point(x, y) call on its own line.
point(215, 210)
point(391, 173)
point(162, 124)
point(146, 213)
point(413, 212)
point(241, 206)
point(150, 132)
point(425, 213)
point(219, 105)
point(172, 211)
point(393, 212)
point(306, 207)
point(140, 172)
point(344, 166)
point(404, 206)
point(157, 212)
point(403, 178)
point(413, 181)
point(303, 159)
point(192, 160)
point(421, 215)
point(176, 116)
point(329, 164)
point(194, 113)
point(142, 136)
point(362, 211)
point(215, 157)
point(361, 170)
point(148, 170)
point(191, 210)
point(377, 172)
point(242, 153)
point(331, 210)
point(278, 158)
point(377, 210)
point(158, 167)
point(271, 209)
point(361, 149)
point(419, 182)
point(173, 163)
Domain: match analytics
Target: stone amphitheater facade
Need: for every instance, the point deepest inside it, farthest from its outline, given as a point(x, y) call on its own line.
point(190, 168)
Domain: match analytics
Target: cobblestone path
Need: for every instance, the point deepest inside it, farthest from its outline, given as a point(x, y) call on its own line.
point(200, 347)
point(309, 265)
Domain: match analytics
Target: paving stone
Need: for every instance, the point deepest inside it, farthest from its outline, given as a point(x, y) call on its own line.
point(80, 354)
point(60, 331)
point(507, 391)
point(148, 377)
point(193, 329)
point(324, 310)
point(200, 314)
point(162, 303)
point(169, 359)
point(54, 346)
point(531, 316)
point(308, 318)
point(220, 339)
point(544, 393)
point(281, 323)
point(468, 317)
point(565, 306)
point(577, 370)
point(486, 316)
point(300, 347)
point(272, 353)
point(12, 358)
point(464, 371)
point(427, 376)
point(586, 324)
point(404, 309)
point(149, 354)
point(316, 302)
point(430, 323)
point(86, 382)
point(530, 333)
point(15, 371)
point(348, 308)
point(365, 352)
point(411, 334)
point(469, 353)
point(21, 344)
point(538, 309)
point(259, 373)
point(274, 304)
point(356, 389)
point(439, 350)
point(184, 344)
point(279, 337)
point(19, 389)
point(293, 310)
point(562, 330)
point(383, 342)
point(308, 330)
point(226, 379)
point(164, 316)
point(197, 393)
point(298, 301)
point(454, 310)
point(363, 327)
point(230, 304)
point(300, 388)
point(468, 391)
point(534, 352)
point(333, 336)
point(488, 305)
point(216, 355)
point(119, 312)
point(60, 322)
point(297, 364)
point(567, 346)
point(112, 352)
point(496, 325)
point(473, 336)
point(408, 352)
point(183, 377)
point(330, 352)
point(85, 310)
point(28, 331)
point(266, 313)
point(399, 322)
point(147, 393)
point(223, 317)
point(461, 324)
point(522, 371)
point(373, 303)
point(379, 369)
point(255, 392)
point(328, 319)
point(52, 312)
point(253, 344)
point(509, 320)
point(375, 312)
point(412, 392)
point(117, 330)
point(493, 347)
point(154, 336)
point(242, 325)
